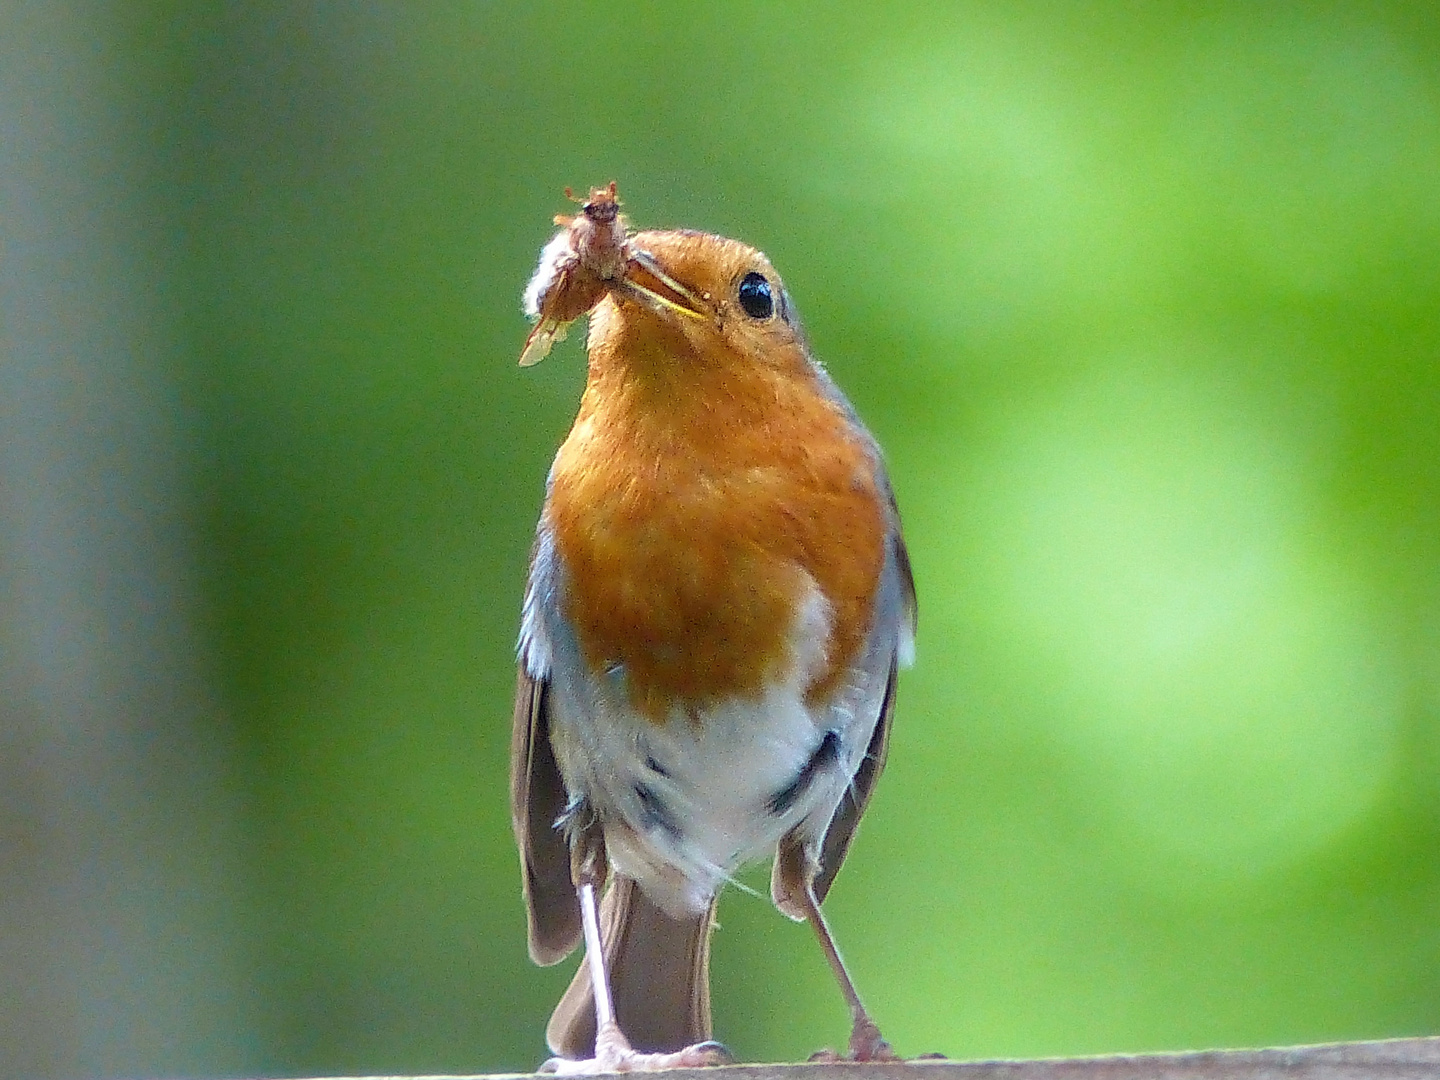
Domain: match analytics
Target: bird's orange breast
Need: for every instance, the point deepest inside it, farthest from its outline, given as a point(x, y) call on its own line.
point(693, 505)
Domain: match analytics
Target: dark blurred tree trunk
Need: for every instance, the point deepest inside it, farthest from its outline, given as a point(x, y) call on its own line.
point(118, 853)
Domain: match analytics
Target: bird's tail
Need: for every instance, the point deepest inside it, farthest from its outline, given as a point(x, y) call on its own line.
point(659, 975)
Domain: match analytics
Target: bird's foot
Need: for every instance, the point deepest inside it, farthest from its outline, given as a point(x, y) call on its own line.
point(866, 1044)
point(614, 1054)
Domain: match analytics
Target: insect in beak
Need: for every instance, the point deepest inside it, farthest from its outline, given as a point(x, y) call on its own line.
point(589, 258)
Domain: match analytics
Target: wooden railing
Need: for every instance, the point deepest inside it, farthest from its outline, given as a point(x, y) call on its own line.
point(1394, 1059)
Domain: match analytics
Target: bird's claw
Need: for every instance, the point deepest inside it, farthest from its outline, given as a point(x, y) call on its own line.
point(612, 1057)
point(866, 1045)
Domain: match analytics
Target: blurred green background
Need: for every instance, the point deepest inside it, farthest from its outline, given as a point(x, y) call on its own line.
point(1143, 302)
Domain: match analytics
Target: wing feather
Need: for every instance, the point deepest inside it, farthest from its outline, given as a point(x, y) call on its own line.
point(846, 820)
point(537, 801)
point(847, 815)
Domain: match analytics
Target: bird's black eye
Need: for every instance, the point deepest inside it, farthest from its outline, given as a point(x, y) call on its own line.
point(755, 296)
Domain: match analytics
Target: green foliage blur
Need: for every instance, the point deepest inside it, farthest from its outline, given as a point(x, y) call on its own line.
point(1141, 301)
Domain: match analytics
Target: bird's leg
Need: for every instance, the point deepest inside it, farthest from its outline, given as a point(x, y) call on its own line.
point(613, 1052)
point(866, 1043)
point(795, 875)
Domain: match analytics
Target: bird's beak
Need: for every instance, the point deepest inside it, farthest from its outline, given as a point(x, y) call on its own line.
point(646, 282)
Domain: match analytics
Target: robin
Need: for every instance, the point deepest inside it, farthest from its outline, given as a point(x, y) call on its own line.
point(718, 602)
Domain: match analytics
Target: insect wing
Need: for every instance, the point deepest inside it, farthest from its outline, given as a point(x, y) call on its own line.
point(542, 338)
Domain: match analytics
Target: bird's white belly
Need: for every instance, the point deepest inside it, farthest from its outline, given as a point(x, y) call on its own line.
point(686, 802)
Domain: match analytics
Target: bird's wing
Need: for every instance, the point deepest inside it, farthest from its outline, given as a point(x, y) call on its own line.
point(847, 815)
point(537, 801)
